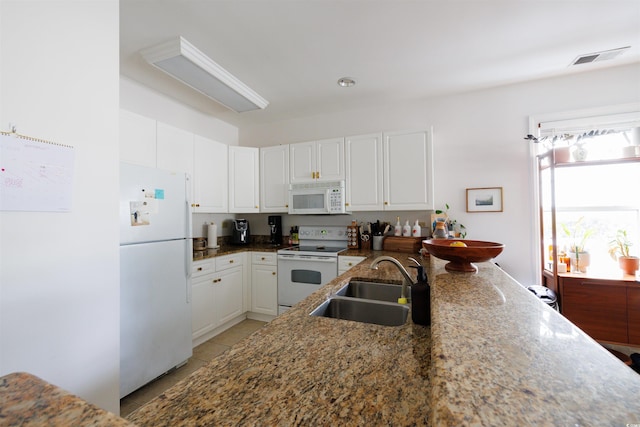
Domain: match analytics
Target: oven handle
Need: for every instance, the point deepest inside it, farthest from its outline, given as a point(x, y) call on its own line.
point(307, 258)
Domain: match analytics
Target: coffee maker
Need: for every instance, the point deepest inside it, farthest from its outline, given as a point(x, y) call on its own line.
point(275, 227)
point(240, 234)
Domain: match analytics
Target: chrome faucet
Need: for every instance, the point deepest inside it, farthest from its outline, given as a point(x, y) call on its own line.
point(407, 279)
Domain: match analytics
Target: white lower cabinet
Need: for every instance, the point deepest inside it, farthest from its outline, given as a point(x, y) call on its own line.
point(346, 263)
point(264, 283)
point(217, 294)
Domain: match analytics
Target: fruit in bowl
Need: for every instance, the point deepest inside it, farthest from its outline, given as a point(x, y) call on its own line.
point(461, 254)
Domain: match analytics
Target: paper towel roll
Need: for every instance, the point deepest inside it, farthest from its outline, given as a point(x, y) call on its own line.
point(212, 236)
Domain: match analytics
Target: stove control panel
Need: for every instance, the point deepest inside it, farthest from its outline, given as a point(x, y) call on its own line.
point(322, 233)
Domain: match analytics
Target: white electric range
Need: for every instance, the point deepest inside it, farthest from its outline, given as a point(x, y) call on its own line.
point(303, 269)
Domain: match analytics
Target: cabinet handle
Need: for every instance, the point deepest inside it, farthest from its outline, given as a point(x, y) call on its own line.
point(273, 273)
point(287, 205)
point(230, 261)
point(350, 264)
point(346, 204)
point(199, 268)
point(317, 175)
point(386, 203)
point(256, 206)
point(262, 258)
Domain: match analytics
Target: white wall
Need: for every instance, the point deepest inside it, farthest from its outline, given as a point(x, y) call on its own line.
point(140, 99)
point(59, 272)
point(478, 142)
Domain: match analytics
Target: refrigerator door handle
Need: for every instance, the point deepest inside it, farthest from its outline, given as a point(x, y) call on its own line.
point(189, 254)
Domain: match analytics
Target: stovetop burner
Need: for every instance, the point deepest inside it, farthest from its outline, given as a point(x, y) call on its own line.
point(320, 240)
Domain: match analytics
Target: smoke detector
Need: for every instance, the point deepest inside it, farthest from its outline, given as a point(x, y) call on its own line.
point(599, 56)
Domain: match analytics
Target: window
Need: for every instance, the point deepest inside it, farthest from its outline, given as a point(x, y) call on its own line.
point(595, 187)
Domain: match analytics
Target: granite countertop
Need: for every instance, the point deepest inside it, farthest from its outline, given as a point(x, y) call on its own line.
point(305, 370)
point(26, 400)
point(502, 357)
point(494, 355)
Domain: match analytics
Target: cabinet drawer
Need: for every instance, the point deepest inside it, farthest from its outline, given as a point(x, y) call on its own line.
point(597, 307)
point(201, 268)
point(266, 258)
point(229, 261)
point(633, 314)
point(346, 262)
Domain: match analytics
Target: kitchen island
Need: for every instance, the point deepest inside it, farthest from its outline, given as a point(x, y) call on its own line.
point(495, 355)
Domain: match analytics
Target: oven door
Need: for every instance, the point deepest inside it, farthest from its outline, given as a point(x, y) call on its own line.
point(301, 275)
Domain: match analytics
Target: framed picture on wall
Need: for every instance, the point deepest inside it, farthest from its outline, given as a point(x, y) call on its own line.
point(487, 199)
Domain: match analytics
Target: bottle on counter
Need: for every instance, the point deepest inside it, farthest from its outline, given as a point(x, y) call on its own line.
point(296, 240)
point(420, 297)
point(398, 229)
point(416, 231)
point(406, 230)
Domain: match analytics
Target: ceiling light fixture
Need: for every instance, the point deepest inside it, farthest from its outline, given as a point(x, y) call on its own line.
point(183, 61)
point(346, 82)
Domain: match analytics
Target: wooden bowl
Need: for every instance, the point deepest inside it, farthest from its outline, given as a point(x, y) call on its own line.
point(460, 257)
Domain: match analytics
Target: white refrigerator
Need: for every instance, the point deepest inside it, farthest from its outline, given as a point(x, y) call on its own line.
point(155, 273)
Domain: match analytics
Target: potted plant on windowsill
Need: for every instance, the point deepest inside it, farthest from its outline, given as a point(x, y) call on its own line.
point(580, 258)
point(619, 249)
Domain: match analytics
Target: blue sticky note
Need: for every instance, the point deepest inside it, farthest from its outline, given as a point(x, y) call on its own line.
point(159, 194)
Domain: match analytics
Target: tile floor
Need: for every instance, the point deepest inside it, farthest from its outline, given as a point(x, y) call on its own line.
point(202, 354)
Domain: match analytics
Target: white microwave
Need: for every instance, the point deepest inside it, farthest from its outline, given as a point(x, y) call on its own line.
point(317, 198)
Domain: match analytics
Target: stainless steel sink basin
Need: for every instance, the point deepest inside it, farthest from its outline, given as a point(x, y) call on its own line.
point(361, 310)
point(371, 290)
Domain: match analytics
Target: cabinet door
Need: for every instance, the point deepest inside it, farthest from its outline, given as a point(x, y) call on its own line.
point(228, 295)
point(175, 149)
point(633, 314)
point(274, 179)
point(203, 315)
point(346, 263)
point(302, 162)
point(408, 171)
point(137, 139)
point(363, 165)
point(264, 289)
point(244, 179)
point(598, 307)
point(330, 159)
point(210, 177)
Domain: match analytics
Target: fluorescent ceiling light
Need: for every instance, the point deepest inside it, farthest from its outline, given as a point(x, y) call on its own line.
point(183, 61)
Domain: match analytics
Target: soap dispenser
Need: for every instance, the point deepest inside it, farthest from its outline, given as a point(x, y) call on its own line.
point(416, 231)
point(420, 297)
point(398, 228)
point(406, 230)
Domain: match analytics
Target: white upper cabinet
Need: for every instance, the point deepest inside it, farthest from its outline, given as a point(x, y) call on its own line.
point(174, 149)
point(363, 165)
point(210, 176)
point(274, 179)
point(317, 161)
point(408, 170)
point(244, 179)
point(137, 139)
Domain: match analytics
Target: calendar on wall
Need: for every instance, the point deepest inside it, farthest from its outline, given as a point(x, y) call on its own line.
point(35, 174)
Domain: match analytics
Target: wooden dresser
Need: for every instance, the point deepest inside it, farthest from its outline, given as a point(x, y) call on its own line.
point(606, 309)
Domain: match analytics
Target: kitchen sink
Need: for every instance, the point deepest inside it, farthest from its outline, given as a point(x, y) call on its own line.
point(361, 310)
point(371, 290)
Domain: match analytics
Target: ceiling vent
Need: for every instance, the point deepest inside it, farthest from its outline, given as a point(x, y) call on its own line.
point(599, 56)
point(183, 61)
